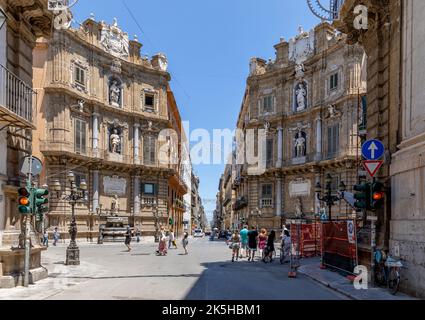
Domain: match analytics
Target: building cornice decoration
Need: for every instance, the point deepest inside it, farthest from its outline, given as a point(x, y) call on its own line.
point(116, 123)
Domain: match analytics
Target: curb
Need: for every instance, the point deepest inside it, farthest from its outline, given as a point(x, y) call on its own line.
point(326, 284)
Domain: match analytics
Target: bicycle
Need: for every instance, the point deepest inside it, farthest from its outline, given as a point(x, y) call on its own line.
point(387, 271)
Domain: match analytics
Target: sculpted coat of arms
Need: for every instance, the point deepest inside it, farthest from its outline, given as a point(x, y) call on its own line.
point(302, 46)
point(114, 40)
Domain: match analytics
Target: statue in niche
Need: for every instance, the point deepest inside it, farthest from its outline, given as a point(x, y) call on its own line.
point(115, 205)
point(115, 142)
point(300, 145)
point(301, 94)
point(298, 208)
point(81, 105)
point(115, 93)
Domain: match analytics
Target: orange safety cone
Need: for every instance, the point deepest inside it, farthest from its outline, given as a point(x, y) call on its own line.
point(292, 274)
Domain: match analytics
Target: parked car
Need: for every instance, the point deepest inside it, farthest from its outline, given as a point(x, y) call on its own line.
point(208, 232)
point(198, 233)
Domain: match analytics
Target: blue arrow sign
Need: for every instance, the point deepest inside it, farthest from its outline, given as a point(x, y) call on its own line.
point(373, 149)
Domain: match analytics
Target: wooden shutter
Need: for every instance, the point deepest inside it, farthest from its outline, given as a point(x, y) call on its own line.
point(83, 137)
point(152, 147)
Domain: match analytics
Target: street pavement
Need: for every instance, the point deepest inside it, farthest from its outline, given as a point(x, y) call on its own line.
point(108, 272)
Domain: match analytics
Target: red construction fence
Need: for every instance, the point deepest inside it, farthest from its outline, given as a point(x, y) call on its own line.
point(307, 235)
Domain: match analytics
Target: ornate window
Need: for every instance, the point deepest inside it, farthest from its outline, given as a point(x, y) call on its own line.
point(333, 141)
point(269, 152)
point(150, 101)
point(80, 136)
point(267, 104)
point(149, 189)
point(266, 195)
point(80, 75)
point(334, 81)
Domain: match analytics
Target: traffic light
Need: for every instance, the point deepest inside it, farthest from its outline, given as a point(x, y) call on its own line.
point(362, 196)
point(39, 203)
point(170, 221)
point(24, 201)
point(377, 196)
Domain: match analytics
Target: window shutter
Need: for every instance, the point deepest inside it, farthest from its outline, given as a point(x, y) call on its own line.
point(146, 149)
point(336, 136)
point(83, 137)
point(77, 136)
point(329, 141)
point(152, 149)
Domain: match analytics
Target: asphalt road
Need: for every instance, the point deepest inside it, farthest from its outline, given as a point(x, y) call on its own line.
point(207, 273)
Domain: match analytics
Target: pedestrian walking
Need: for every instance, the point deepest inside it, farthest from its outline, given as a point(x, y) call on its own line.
point(235, 245)
point(56, 236)
point(127, 241)
point(270, 247)
point(286, 246)
point(45, 238)
point(262, 241)
point(252, 243)
point(172, 240)
point(162, 248)
point(185, 242)
point(244, 241)
point(138, 234)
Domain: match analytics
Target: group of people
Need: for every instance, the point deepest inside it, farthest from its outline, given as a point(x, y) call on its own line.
point(165, 236)
point(56, 237)
point(248, 242)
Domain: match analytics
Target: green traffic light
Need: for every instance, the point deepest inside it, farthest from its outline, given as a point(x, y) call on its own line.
point(362, 196)
point(24, 210)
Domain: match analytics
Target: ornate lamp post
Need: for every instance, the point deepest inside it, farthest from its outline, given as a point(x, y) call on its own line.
point(156, 216)
point(77, 194)
point(328, 198)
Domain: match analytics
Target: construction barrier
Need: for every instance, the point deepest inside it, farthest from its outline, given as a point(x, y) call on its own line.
point(307, 235)
point(339, 241)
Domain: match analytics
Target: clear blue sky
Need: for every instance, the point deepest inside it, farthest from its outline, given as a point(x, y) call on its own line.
point(208, 44)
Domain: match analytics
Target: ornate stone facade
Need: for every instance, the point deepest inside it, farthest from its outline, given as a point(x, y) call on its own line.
point(25, 21)
point(102, 110)
point(306, 102)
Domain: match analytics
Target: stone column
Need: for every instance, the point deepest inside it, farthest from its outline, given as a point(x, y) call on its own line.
point(136, 195)
point(95, 189)
point(136, 143)
point(278, 196)
point(95, 131)
point(319, 138)
point(279, 147)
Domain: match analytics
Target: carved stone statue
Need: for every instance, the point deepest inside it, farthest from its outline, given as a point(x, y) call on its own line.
point(301, 94)
point(81, 105)
point(115, 205)
point(115, 141)
point(298, 208)
point(115, 92)
point(299, 71)
point(300, 145)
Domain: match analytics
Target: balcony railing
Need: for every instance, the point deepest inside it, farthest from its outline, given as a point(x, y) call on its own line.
point(16, 100)
point(266, 203)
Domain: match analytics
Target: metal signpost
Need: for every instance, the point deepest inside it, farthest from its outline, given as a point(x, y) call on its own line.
point(372, 151)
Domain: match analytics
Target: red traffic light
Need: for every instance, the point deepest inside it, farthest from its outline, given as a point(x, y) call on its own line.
point(378, 196)
point(23, 192)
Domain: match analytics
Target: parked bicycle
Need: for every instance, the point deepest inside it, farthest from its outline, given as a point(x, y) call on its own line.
point(387, 271)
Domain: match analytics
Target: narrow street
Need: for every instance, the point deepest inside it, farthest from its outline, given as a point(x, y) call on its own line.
point(207, 273)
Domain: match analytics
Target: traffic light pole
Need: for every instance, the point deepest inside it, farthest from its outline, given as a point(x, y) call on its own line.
point(27, 231)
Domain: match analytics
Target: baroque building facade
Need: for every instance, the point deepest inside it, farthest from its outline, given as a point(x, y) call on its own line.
point(299, 121)
point(21, 22)
point(104, 108)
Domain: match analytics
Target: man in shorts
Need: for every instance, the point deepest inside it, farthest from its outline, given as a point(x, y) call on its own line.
point(244, 241)
point(252, 243)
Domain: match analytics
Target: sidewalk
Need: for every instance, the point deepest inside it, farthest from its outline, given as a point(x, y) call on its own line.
point(311, 268)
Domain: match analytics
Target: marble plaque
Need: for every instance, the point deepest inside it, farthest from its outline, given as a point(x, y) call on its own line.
point(114, 186)
point(299, 188)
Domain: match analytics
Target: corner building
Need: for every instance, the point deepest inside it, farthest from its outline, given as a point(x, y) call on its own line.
point(308, 102)
point(101, 108)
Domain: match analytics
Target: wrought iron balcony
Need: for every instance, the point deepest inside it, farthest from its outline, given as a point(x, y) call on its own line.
point(241, 203)
point(16, 100)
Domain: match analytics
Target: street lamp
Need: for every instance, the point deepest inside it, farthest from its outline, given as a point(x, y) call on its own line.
point(328, 198)
point(77, 194)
